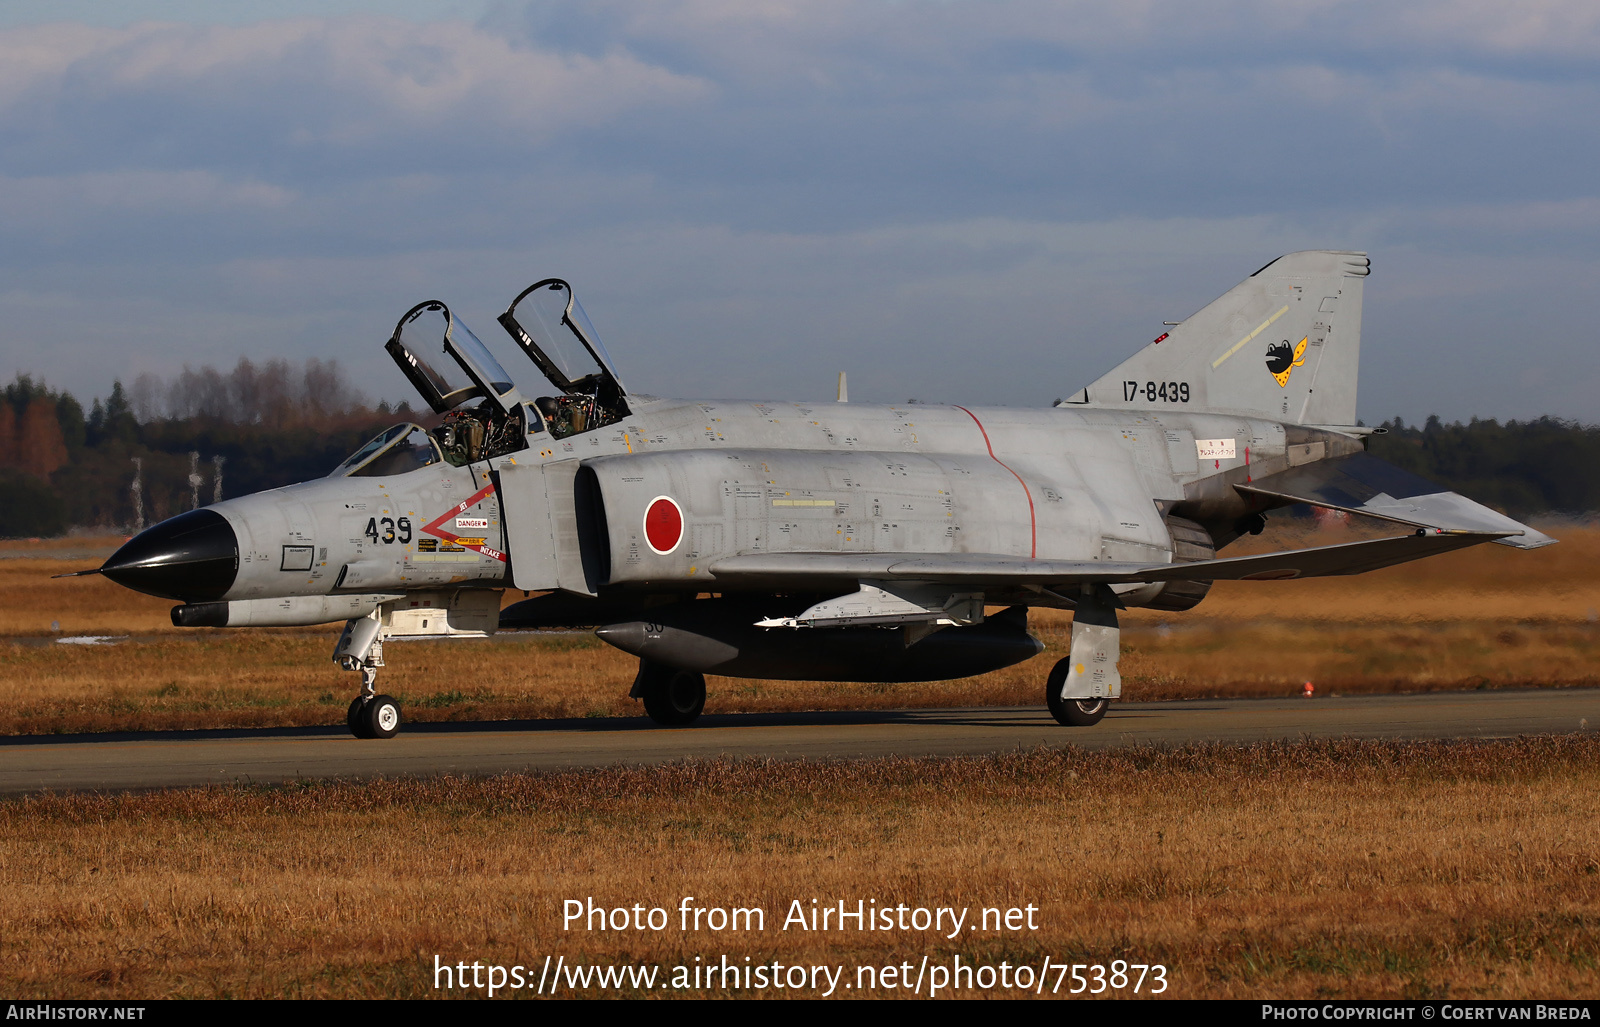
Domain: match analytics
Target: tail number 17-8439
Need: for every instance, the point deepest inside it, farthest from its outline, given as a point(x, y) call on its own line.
point(1156, 392)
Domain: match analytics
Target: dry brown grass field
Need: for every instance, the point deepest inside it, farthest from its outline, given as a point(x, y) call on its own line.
point(1487, 617)
point(1307, 870)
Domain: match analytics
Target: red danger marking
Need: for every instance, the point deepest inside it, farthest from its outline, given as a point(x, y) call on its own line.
point(434, 528)
point(663, 525)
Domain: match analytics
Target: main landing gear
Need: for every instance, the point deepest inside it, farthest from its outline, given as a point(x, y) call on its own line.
point(672, 697)
point(1080, 688)
point(1071, 712)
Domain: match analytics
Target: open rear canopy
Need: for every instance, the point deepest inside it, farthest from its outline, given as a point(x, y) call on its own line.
point(549, 324)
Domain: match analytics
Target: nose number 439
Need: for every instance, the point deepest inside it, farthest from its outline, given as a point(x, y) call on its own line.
point(388, 533)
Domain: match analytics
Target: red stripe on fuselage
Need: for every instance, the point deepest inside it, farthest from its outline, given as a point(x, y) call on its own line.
point(1033, 521)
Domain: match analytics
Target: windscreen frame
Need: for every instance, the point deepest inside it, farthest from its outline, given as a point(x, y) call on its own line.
point(395, 436)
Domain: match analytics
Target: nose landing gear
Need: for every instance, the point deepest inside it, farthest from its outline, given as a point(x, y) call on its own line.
point(459, 613)
point(361, 648)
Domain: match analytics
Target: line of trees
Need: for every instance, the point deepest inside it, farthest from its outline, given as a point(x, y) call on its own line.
point(273, 424)
point(274, 394)
point(1523, 468)
point(277, 423)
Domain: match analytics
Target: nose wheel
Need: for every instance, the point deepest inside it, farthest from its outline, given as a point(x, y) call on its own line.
point(377, 716)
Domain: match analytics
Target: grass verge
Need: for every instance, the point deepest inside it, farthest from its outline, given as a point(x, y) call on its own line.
point(1376, 869)
point(1488, 617)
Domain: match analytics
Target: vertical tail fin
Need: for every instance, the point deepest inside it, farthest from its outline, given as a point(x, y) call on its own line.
point(1283, 344)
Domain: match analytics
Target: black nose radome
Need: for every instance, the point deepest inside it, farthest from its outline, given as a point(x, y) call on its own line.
point(192, 557)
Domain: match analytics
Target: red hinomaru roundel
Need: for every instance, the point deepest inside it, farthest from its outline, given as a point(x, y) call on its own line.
point(663, 525)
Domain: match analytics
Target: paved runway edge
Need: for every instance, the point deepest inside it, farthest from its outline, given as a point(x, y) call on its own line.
point(130, 761)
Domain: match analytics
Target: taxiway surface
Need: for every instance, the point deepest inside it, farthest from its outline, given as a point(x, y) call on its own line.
point(174, 759)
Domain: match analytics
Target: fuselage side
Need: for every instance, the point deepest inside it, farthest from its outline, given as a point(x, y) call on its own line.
point(1056, 484)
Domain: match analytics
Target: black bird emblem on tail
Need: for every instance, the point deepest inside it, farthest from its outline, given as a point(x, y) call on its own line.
point(1281, 360)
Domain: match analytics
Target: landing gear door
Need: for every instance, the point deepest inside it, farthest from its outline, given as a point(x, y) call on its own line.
point(540, 511)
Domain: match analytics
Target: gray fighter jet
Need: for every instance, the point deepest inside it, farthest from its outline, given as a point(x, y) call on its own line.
point(816, 541)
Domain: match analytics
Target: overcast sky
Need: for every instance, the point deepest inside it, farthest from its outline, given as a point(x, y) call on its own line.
point(983, 202)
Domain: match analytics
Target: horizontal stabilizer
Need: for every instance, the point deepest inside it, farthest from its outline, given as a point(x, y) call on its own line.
point(980, 570)
point(1363, 484)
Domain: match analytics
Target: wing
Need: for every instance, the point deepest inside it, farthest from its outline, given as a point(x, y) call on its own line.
point(820, 570)
point(1363, 484)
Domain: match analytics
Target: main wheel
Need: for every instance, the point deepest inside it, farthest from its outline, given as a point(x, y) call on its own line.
point(1071, 712)
point(379, 718)
point(354, 720)
point(672, 697)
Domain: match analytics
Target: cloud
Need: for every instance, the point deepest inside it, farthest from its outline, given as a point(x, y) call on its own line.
point(302, 91)
point(784, 116)
point(988, 200)
point(34, 203)
point(896, 44)
point(1085, 109)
